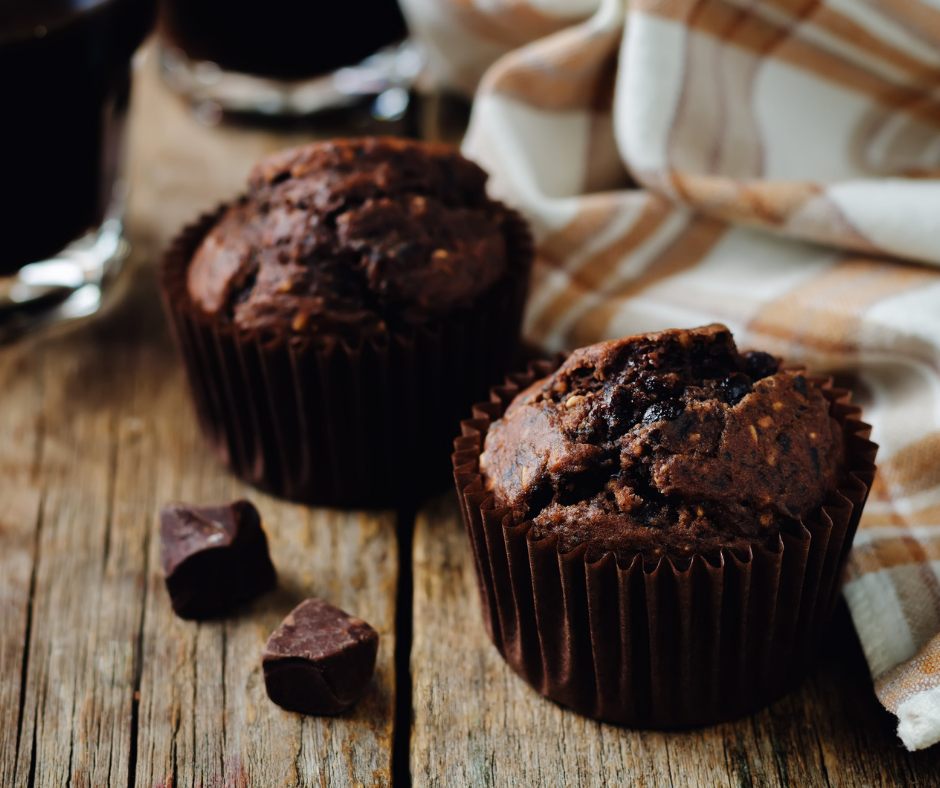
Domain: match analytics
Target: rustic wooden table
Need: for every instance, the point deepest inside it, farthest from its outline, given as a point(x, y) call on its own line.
point(101, 685)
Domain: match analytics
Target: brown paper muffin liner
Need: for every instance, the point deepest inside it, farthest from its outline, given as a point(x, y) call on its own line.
point(315, 420)
point(659, 646)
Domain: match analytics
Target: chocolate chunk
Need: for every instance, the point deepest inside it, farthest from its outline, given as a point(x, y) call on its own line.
point(319, 660)
point(758, 364)
point(663, 411)
point(734, 388)
point(214, 557)
point(663, 386)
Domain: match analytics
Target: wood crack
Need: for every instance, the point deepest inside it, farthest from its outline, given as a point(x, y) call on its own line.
point(24, 672)
point(174, 748)
point(139, 664)
point(822, 756)
point(71, 718)
point(29, 477)
point(39, 444)
point(32, 761)
point(299, 752)
point(672, 777)
point(224, 707)
point(404, 631)
point(110, 493)
point(774, 762)
point(195, 697)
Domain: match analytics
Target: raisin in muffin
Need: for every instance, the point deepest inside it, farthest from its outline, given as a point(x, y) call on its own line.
point(338, 319)
point(671, 443)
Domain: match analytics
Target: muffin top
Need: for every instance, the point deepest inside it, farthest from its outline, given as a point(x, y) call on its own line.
point(349, 236)
point(664, 444)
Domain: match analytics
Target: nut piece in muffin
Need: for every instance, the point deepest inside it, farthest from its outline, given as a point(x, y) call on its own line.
point(351, 236)
point(671, 443)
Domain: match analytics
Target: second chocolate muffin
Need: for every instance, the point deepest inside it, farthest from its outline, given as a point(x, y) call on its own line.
point(665, 444)
point(339, 317)
point(659, 524)
point(344, 239)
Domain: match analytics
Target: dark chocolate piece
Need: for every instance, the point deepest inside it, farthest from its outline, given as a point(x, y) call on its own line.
point(214, 557)
point(319, 660)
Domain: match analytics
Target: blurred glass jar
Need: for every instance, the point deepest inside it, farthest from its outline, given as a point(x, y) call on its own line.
point(285, 57)
point(65, 69)
point(64, 84)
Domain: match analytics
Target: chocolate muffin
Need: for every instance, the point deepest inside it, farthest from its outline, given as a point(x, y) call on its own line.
point(350, 237)
point(671, 443)
point(660, 523)
point(338, 319)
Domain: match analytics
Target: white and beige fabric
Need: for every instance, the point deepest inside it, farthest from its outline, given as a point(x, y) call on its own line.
point(771, 164)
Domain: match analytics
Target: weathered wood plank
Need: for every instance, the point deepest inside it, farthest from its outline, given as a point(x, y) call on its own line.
point(120, 440)
point(204, 716)
point(97, 432)
point(85, 609)
point(476, 723)
point(351, 560)
point(20, 501)
point(835, 726)
point(21, 427)
point(19, 518)
point(101, 423)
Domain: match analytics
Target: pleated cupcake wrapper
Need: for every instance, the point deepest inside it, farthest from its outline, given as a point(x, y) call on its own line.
point(658, 646)
point(318, 421)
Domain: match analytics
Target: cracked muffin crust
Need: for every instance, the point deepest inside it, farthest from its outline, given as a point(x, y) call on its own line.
point(671, 443)
point(348, 236)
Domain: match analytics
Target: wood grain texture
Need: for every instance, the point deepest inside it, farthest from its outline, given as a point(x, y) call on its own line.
point(204, 714)
point(20, 428)
point(85, 608)
point(19, 519)
point(477, 723)
point(119, 440)
point(100, 684)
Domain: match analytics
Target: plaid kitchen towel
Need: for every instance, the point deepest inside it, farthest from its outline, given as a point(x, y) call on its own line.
point(770, 164)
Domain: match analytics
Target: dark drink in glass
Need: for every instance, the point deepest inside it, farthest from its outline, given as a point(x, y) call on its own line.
point(284, 39)
point(284, 57)
point(64, 83)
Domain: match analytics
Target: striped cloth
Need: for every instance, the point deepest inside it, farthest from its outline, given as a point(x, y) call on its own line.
point(770, 165)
